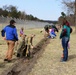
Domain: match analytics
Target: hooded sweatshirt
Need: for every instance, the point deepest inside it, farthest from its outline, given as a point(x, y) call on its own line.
point(65, 31)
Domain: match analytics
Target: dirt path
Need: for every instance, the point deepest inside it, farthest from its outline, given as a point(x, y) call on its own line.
point(23, 65)
point(49, 63)
point(4, 66)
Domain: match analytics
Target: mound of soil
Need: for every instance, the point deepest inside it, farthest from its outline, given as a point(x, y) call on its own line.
point(24, 65)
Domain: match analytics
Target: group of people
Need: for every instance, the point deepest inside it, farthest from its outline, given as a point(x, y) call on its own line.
point(64, 36)
point(9, 33)
point(25, 45)
point(51, 31)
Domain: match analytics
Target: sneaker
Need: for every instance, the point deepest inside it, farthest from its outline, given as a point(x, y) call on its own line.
point(18, 55)
point(9, 61)
point(62, 60)
point(5, 59)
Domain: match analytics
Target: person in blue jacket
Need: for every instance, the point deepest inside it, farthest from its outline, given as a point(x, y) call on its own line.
point(65, 36)
point(10, 33)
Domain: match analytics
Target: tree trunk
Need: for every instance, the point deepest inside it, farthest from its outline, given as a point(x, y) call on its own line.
point(75, 16)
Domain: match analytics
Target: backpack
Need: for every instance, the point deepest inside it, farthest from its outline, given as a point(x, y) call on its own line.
point(71, 30)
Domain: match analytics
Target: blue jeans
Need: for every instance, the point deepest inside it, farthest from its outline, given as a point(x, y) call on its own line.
point(52, 35)
point(65, 41)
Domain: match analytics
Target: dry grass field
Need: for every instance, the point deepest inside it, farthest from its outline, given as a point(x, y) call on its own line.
point(49, 63)
point(3, 47)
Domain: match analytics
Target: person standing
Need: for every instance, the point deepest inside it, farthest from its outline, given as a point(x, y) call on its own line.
point(11, 37)
point(21, 32)
point(65, 36)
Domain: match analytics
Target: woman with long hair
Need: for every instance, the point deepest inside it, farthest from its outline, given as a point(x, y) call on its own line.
point(65, 36)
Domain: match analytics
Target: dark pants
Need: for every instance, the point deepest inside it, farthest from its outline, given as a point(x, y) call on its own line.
point(65, 41)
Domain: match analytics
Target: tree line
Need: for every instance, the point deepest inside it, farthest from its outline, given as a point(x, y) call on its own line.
point(69, 8)
point(12, 11)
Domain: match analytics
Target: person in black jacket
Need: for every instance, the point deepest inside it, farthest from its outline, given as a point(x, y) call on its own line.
point(11, 37)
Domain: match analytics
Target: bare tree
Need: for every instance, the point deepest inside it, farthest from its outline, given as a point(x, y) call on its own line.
point(75, 15)
point(71, 9)
point(69, 5)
